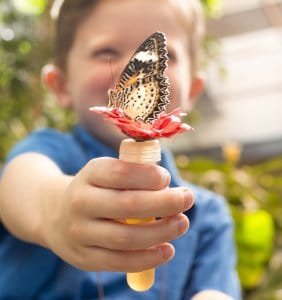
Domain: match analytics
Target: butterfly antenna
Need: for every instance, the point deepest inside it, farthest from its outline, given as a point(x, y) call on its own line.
point(111, 102)
point(111, 68)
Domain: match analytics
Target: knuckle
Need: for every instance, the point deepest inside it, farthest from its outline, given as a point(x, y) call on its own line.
point(115, 265)
point(75, 200)
point(75, 231)
point(119, 170)
point(122, 241)
point(128, 203)
point(83, 260)
point(91, 163)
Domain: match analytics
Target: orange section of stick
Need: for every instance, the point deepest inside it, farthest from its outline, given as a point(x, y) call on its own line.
point(140, 281)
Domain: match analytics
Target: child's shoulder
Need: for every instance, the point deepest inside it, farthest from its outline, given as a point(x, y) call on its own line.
point(59, 146)
point(40, 140)
point(48, 134)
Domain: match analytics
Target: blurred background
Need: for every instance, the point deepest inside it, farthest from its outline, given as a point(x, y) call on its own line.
point(236, 149)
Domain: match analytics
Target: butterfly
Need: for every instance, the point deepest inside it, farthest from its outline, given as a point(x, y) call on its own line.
point(142, 89)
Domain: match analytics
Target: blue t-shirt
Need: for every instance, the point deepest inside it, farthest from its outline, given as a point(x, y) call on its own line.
point(205, 256)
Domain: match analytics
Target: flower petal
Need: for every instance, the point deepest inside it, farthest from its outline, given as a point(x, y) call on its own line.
point(166, 125)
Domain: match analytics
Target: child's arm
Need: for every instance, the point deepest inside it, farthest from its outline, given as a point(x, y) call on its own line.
point(76, 216)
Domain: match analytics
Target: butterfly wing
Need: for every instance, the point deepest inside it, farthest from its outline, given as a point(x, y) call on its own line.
point(142, 90)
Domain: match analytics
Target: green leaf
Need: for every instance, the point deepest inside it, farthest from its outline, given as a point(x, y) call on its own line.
point(257, 229)
point(213, 8)
point(250, 276)
point(30, 7)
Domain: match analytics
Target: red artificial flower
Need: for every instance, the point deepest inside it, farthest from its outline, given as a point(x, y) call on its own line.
point(166, 125)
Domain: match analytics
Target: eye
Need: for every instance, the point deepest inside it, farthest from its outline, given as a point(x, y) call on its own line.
point(105, 54)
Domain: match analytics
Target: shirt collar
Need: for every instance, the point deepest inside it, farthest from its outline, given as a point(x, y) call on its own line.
point(92, 146)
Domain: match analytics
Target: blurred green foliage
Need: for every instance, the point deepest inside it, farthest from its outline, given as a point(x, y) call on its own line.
point(254, 194)
point(213, 8)
point(25, 46)
point(30, 7)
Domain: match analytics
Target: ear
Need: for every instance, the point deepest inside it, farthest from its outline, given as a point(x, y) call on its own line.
point(54, 79)
point(196, 88)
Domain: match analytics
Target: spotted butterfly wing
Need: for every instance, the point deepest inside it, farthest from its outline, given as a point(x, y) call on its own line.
point(142, 89)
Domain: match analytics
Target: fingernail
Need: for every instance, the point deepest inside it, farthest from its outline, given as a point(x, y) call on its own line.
point(166, 178)
point(182, 224)
point(167, 251)
point(188, 199)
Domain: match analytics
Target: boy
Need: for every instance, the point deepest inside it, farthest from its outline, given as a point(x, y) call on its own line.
point(59, 211)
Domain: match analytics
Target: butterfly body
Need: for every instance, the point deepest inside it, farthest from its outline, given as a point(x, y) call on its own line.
point(142, 89)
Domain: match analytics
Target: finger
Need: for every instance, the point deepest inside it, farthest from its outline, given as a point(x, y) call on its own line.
point(100, 259)
point(116, 174)
point(117, 236)
point(113, 204)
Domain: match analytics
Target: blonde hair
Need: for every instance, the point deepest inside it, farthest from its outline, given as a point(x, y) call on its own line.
point(69, 14)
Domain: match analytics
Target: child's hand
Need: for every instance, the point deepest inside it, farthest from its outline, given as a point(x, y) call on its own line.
point(84, 230)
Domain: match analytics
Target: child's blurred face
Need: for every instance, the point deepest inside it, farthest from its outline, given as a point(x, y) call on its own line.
point(104, 43)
